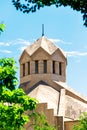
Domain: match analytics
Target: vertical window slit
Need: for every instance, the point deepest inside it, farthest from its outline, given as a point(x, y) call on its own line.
point(36, 67)
point(45, 66)
point(53, 67)
point(23, 69)
point(28, 67)
point(60, 68)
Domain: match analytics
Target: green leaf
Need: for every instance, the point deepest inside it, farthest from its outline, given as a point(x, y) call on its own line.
point(2, 27)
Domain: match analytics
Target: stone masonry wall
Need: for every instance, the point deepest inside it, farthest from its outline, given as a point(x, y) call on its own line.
point(74, 108)
point(68, 125)
point(53, 120)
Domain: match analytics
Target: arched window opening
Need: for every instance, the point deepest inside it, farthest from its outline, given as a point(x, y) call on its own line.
point(36, 67)
point(28, 65)
point(45, 66)
point(23, 69)
point(53, 66)
point(60, 68)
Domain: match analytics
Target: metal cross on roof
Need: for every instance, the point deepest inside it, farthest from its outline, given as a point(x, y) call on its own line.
point(42, 29)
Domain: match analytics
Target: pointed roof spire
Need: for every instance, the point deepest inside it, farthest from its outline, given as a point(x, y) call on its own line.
point(42, 29)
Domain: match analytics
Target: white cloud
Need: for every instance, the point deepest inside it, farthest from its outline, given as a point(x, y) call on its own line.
point(75, 53)
point(21, 42)
point(4, 44)
point(64, 42)
point(5, 51)
point(60, 41)
point(55, 40)
point(16, 42)
point(22, 48)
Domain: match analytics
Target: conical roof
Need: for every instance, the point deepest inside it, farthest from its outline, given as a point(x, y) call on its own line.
point(45, 44)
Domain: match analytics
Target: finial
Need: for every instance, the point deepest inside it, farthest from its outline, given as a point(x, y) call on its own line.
point(42, 29)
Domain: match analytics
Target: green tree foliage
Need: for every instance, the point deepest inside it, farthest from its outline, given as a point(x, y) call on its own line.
point(34, 5)
point(17, 108)
point(7, 73)
point(82, 125)
point(39, 122)
point(13, 105)
point(2, 27)
point(13, 102)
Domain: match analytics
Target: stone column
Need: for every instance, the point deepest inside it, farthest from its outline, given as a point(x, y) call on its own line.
point(49, 66)
point(40, 65)
point(64, 70)
point(32, 67)
point(26, 69)
point(60, 123)
point(56, 67)
point(61, 111)
point(21, 70)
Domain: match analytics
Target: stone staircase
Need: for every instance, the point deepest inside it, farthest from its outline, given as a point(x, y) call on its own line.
point(51, 118)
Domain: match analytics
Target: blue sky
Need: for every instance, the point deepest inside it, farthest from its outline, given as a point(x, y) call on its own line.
point(62, 25)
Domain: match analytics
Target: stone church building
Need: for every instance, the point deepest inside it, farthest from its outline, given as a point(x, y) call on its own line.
point(43, 76)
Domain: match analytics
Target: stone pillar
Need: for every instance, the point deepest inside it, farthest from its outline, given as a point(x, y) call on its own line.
point(40, 67)
point(26, 68)
point(32, 67)
point(49, 67)
point(61, 111)
point(21, 70)
point(60, 123)
point(64, 70)
point(56, 67)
